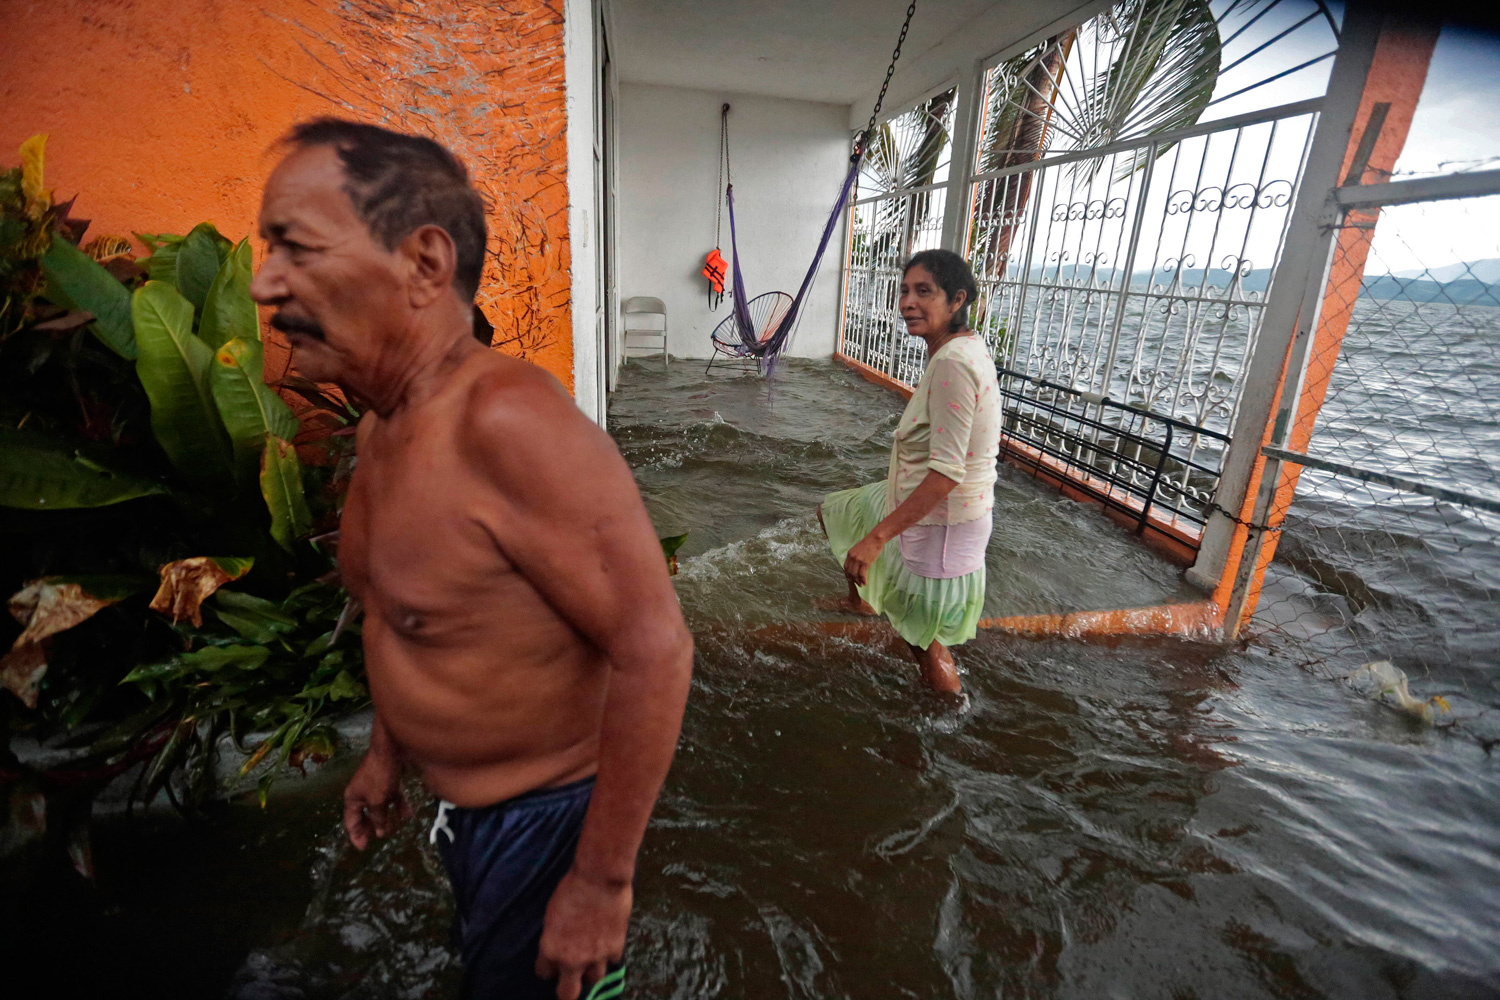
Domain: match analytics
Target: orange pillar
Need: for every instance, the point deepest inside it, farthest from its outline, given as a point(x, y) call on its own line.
point(1389, 100)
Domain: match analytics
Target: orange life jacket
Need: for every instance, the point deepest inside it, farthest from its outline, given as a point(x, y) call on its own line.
point(714, 269)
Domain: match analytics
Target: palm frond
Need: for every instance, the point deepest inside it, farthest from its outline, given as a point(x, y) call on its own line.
point(1181, 82)
point(906, 151)
point(1161, 63)
point(1161, 79)
point(1019, 103)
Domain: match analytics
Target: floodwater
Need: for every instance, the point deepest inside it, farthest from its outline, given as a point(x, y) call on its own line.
point(1157, 819)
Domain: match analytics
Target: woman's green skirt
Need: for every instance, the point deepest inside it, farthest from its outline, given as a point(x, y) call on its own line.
point(922, 609)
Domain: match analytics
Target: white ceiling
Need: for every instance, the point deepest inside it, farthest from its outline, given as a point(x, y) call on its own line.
point(813, 50)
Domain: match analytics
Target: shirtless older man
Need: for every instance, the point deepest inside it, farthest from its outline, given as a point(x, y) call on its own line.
point(525, 649)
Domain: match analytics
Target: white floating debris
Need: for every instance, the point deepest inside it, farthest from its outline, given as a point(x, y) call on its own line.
point(1383, 681)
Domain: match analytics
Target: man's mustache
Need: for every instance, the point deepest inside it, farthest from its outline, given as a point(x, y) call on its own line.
point(296, 324)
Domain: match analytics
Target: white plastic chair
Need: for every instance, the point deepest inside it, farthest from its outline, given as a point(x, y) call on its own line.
point(639, 309)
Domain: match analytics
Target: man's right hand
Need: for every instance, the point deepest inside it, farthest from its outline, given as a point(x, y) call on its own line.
point(374, 802)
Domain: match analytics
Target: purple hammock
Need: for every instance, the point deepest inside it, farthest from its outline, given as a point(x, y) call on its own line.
point(751, 344)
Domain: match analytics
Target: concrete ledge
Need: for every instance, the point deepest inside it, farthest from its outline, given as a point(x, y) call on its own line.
point(353, 739)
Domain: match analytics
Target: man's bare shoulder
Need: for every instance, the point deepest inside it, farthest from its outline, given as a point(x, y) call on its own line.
point(508, 396)
point(501, 383)
point(518, 418)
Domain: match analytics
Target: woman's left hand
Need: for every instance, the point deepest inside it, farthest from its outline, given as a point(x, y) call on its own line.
point(857, 564)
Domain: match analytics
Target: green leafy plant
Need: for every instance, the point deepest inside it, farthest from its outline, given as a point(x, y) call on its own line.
point(669, 547)
point(27, 220)
point(278, 668)
point(137, 434)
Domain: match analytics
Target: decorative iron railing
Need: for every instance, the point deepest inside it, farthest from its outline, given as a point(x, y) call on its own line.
point(1120, 455)
point(885, 231)
point(899, 208)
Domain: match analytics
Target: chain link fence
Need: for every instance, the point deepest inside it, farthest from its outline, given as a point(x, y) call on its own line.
point(1387, 569)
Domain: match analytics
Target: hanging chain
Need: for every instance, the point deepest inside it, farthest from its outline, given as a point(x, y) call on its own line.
point(1268, 528)
point(723, 169)
point(861, 143)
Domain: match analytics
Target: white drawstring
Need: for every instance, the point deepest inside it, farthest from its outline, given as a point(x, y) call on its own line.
point(441, 823)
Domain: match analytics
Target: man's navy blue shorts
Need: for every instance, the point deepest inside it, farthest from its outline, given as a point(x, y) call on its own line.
point(504, 861)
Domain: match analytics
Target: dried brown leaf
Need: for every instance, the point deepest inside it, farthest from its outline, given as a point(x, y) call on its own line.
point(46, 607)
point(21, 671)
point(187, 583)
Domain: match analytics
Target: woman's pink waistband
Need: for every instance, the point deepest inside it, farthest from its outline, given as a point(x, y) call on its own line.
point(945, 551)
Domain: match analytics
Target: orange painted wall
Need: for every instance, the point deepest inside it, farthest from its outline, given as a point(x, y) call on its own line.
point(161, 113)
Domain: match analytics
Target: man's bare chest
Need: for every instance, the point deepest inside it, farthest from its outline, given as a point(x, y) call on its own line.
point(414, 535)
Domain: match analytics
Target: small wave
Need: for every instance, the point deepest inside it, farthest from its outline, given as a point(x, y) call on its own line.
point(646, 445)
point(773, 547)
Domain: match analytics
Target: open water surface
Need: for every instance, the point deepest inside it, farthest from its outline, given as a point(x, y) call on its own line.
point(1157, 819)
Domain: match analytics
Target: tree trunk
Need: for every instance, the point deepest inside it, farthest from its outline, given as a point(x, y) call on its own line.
point(1026, 142)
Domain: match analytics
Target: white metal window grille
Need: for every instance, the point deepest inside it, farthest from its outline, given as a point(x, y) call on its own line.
point(1124, 230)
point(1142, 281)
point(1127, 197)
point(898, 209)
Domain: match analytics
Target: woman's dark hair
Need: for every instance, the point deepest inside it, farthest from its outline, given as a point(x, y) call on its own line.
point(952, 274)
point(400, 182)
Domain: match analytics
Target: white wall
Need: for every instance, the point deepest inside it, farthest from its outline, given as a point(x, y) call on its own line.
point(789, 159)
point(578, 76)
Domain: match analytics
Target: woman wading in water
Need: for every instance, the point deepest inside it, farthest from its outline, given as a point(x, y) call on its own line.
point(938, 497)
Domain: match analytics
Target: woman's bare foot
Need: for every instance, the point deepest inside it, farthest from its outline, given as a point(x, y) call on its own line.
point(938, 669)
point(848, 605)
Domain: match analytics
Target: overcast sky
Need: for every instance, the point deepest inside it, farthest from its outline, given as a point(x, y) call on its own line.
point(1457, 122)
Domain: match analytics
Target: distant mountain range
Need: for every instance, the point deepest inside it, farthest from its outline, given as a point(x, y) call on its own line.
point(1470, 282)
point(1486, 271)
point(1475, 282)
point(1466, 291)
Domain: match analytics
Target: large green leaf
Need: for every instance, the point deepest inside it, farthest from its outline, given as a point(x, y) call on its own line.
point(228, 310)
point(206, 660)
point(39, 473)
point(235, 566)
point(669, 547)
point(199, 258)
point(248, 407)
point(109, 587)
point(254, 618)
point(174, 367)
point(77, 281)
point(344, 686)
point(281, 485)
point(162, 264)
